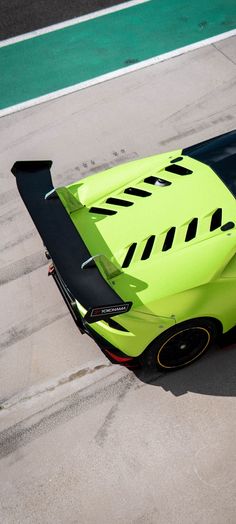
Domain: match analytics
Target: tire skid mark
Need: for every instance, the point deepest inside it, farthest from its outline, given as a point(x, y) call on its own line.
point(31, 325)
point(19, 240)
point(65, 379)
point(22, 267)
point(103, 431)
point(10, 215)
point(3, 174)
point(33, 133)
point(89, 167)
point(187, 109)
point(46, 420)
point(8, 196)
point(198, 128)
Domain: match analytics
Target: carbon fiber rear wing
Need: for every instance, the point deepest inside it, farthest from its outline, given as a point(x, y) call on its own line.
point(64, 243)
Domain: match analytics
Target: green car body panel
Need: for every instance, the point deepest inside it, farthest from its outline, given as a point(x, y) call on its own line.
point(163, 235)
point(143, 246)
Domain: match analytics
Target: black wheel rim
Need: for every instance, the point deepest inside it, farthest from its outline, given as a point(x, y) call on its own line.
point(183, 347)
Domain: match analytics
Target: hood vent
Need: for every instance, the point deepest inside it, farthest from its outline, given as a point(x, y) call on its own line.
point(155, 181)
point(137, 192)
point(178, 159)
point(146, 252)
point(191, 233)
point(119, 202)
point(102, 211)
point(148, 248)
point(216, 219)
point(129, 255)
point(169, 239)
point(178, 170)
point(192, 230)
point(227, 226)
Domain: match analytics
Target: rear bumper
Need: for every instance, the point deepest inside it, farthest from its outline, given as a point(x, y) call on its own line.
point(113, 353)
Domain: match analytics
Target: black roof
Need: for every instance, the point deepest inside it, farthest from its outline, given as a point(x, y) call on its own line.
point(220, 154)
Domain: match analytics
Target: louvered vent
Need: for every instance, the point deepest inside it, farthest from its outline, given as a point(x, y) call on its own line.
point(169, 239)
point(102, 211)
point(148, 248)
point(155, 181)
point(119, 202)
point(137, 192)
point(227, 226)
point(129, 255)
point(178, 159)
point(192, 230)
point(216, 219)
point(178, 170)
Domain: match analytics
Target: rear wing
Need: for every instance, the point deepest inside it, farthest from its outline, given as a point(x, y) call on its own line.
point(64, 243)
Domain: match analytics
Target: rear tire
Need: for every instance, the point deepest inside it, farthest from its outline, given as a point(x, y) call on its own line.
point(180, 345)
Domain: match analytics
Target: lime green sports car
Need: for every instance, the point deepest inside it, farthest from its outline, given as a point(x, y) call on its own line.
point(144, 253)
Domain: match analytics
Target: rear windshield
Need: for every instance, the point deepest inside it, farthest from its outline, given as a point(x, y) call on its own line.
point(220, 154)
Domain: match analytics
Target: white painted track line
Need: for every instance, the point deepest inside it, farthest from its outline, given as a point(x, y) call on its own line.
point(73, 21)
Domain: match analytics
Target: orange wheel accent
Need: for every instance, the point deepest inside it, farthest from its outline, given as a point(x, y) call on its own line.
point(182, 341)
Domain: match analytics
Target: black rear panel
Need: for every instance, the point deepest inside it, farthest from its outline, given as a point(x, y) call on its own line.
point(220, 154)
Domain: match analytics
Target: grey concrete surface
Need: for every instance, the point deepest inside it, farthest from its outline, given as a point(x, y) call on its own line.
point(123, 451)
point(83, 441)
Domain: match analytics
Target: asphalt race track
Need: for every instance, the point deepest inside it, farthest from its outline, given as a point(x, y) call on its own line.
point(22, 17)
point(82, 440)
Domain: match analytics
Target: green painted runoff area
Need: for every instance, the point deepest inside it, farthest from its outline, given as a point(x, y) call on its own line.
point(60, 59)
